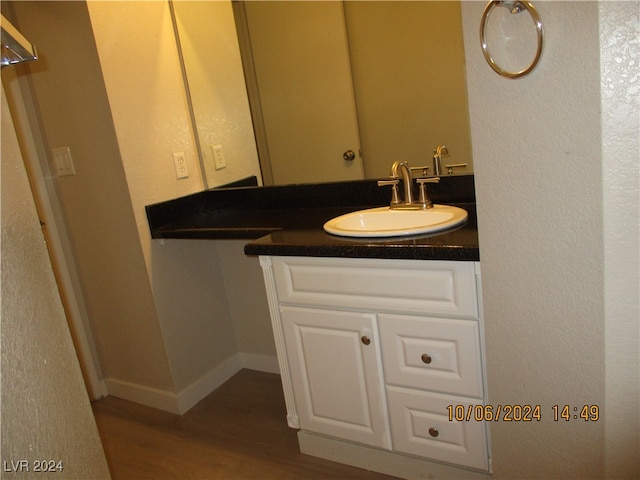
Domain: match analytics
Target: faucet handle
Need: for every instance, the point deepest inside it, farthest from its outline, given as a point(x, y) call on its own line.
point(422, 181)
point(450, 167)
point(395, 197)
point(423, 199)
point(391, 181)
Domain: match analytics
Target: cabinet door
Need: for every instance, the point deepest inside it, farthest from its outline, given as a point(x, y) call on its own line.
point(336, 373)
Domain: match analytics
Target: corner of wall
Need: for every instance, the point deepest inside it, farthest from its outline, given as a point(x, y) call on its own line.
point(620, 81)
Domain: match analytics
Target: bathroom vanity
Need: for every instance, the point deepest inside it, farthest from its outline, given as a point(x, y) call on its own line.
point(379, 341)
point(381, 353)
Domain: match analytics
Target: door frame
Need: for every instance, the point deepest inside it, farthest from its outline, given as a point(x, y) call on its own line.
point(18, 94)
point(253, 93)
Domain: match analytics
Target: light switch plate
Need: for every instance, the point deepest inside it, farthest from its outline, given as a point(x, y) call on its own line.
point(63, 161)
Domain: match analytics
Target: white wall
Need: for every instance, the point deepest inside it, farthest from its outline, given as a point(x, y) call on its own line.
point(45, 410)
point(247, 301)
point(538, 155)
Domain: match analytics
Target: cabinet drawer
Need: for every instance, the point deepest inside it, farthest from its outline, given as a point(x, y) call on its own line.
point(435, 354)
point(432, 287)
point(420, 426)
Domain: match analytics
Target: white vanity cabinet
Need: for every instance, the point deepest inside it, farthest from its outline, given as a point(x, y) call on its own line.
point(380, 353)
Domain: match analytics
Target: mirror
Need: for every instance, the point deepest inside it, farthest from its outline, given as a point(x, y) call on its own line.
point(341, 90)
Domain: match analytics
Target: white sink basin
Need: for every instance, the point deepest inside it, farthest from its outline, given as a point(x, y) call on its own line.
point(387, 222)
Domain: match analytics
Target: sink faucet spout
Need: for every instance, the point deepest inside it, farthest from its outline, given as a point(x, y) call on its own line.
point(405, 171)
point(437, 159)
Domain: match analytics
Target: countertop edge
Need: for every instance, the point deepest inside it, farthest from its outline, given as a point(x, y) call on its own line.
point(265, 217)
point(453, 253)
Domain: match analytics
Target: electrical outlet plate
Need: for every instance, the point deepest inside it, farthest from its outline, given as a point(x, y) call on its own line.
point(218, 157)
point(180, 164)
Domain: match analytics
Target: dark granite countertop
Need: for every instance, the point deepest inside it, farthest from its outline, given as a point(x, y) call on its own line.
point(288, 220)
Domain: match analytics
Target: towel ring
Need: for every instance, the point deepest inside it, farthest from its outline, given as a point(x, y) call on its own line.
point(514, 7)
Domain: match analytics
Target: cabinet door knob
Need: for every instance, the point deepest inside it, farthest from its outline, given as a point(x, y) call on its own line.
point(366, 340)
point(434, 432)
point(426, 358)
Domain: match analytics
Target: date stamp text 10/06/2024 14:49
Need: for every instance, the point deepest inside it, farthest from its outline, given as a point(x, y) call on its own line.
point(521, 413)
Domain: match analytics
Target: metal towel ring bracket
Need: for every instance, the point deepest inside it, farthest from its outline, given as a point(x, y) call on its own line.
point(514, 7)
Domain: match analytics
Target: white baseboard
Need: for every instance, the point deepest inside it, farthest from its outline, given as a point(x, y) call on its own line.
point(98, 390)
point(181, 402)
point(209, 382)
point(151, 397)
point(382, 461)
point(261, 363)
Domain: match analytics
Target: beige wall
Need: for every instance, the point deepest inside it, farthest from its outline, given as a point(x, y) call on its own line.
point(72, 109)
point(45, 410)
point(302, 89)
point(151, 119)
point(407, 61)
point(400, 65)
point(216, 83)
point(554, 164)
point(539, 182)
point(158, 311)
point(619, 79)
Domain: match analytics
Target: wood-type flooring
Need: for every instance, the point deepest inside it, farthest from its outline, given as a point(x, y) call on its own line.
point(238, 432)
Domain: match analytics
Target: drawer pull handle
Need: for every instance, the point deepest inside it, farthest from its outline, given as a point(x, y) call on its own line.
point(366, 340)
point(426, 358)
point(434, 432)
